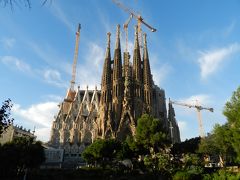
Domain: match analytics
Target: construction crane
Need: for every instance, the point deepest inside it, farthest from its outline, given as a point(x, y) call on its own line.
point(137, 17)
point(125, 26)
point(72, 82)
point(198, 108)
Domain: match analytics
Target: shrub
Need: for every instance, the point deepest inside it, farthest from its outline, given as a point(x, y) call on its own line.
point(222, 175)
point(182, 175)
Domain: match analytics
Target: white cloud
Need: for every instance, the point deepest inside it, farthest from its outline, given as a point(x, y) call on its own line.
point(202, 99)
point(40, 115)
point(90, 72)
point(53, 97)
point(229, 29)
point(210, 61)
point(96, 55)
point(8, 43)
point(184, 128)
point(15, 62)
point(189, 123)
point(43, 134)
point(160, 73)
point(47, 54)
point(59, 13)
point(52, 76)
point(130, 46)
point(104, 20)
point(182, 125)
point(185, 51)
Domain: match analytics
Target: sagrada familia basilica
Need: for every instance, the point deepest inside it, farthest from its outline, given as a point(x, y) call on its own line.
point(127, 92)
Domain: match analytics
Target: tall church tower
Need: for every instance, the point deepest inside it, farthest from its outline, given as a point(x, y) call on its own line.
point(127, 124)
point(126, 93)
point(106, 123)
point(147, 79)
point(173, 126)
point(137, 78)
point(117, 91)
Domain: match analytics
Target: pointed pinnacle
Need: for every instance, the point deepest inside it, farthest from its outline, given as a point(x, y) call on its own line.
point(145, 52)
point(118, 37)
point(145, 39)
point(136, 44)
point(108, 39)
point(107, 54)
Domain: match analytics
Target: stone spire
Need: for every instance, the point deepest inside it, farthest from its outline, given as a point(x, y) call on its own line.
point(173, 126)
point(127, 80)
point(137, 73)
point(117, 62)
point(137, 78)
point(147, 77)
point(171, 112)
point(106, 75)
point(117, 91)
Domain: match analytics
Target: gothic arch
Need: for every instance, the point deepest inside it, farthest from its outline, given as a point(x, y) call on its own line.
point(126, 126)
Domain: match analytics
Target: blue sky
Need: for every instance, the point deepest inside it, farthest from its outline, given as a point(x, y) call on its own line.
point(194, 54)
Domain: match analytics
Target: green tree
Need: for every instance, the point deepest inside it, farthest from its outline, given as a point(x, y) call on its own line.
point(188, 146)
point(150, 144)
point(219, 144)
point(125, 152)
point(101, 152)
point(158, 162)
point(5, 115)
point(208, 145)
point(151, 134)
point(192, 167)
point(232, 112)
point(19, 155)
point(223, 140)
point(31, 152)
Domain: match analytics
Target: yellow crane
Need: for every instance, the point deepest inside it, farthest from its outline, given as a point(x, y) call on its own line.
point(139, 21)
point(72, 82)
point(198, 108)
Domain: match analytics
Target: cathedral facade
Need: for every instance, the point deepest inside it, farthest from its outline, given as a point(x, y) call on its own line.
point(127, 92)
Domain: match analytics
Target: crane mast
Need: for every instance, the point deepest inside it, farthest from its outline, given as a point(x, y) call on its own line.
point(125, 26)
point(131, 12)
point(199, 115)
point(72, 82)
point(139, 22)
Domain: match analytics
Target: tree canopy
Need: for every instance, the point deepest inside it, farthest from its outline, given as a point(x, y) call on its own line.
point(5, 115)
point(101, 151)
point(188, 146)
point(224, 140)
point(151, 134)
point(20, 154)
point(232, 112)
